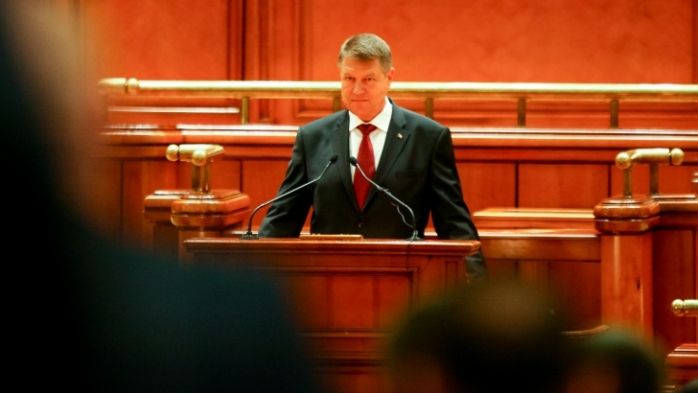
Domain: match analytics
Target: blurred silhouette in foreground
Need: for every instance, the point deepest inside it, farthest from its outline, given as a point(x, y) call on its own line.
point(615, 361)
point(691, 387)
point(496, 336)
point(86, 314)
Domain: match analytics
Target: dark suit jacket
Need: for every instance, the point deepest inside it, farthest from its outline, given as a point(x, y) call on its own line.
point(417, 166)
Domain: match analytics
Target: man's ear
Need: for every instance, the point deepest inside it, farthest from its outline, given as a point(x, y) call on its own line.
point(391, 74)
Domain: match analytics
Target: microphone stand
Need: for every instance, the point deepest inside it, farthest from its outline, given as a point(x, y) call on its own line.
point(248, 235)
point(415, 234)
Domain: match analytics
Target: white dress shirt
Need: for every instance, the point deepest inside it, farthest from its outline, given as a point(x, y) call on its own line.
point(382, 122)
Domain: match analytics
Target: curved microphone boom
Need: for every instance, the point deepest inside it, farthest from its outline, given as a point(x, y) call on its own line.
point(415, 235)
point(248, 233)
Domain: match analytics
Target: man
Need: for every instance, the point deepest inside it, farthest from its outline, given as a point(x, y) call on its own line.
point(407, 153)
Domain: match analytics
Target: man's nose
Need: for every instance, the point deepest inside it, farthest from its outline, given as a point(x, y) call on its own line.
point(358, 87)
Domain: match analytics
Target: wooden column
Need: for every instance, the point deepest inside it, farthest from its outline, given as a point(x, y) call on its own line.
point(157, 209)
point(208, 215)
point(198, 212)
point(626, 261)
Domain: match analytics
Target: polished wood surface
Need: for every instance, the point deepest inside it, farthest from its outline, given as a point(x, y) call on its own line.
point(556, 248)
point(649, 259)
point(534, 218)
point(298, 40)
point(612, 269)
point(497, 167)
point(627, 282)
point(682, 365)
point(157, 209)
point(346, 294)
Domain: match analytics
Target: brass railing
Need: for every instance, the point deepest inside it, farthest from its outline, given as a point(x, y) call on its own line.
point(427, 91)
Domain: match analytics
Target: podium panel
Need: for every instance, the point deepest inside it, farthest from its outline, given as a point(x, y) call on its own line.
point(346, 294)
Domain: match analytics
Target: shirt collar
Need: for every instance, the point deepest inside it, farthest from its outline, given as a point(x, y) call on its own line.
point(381, 121)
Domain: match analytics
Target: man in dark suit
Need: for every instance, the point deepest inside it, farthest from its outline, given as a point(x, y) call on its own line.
point(405, 152)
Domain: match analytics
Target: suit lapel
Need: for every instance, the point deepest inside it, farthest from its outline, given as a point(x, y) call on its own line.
point(395, 141)
point(340, 143)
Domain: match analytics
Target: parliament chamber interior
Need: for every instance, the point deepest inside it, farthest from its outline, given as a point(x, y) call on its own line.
point(575, 133)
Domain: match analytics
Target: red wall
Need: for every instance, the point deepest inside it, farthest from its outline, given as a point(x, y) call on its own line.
point(596, 41)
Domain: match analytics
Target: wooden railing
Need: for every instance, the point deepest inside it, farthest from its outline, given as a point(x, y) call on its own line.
point(429, 92)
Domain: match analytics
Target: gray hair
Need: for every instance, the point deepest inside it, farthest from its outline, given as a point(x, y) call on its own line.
point(366, 47)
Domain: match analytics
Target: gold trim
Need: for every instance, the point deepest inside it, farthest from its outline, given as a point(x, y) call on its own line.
point(653, 157)
point(682, 308)
point(201, 157)
point(405, 90)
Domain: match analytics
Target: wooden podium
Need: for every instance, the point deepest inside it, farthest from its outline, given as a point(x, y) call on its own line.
point(346, 294)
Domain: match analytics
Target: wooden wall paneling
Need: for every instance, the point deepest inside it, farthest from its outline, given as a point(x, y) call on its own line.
point(151, 39)
point(390, 294)
point(184, 172)
point(352, 302)
point(257, 52)
point(285, 29)
point(172, 111)
point(674, 275)
point(676, 179)
point(672, 179)
point(695, 42)
point(310, 289)
point(260, 181)
point(511, 42)
point(585, 115)
point(141, 178)
point(640, 179)
point(471, 113)
point(567, 262)
point(236, 39)
point(627, 281)
point(487, 185)
point(501, 267)
point(579, 283)
point(623, 42)
point(536, 272)
point(670, 115)
point(226, 175)
point(563, 185)
point(299, 40)
point(176, 40)
point(108, 196)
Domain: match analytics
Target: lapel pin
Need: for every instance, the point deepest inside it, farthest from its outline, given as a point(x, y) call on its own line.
point(399, 136)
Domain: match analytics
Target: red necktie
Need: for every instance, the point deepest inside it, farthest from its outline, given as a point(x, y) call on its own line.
point(366, 161)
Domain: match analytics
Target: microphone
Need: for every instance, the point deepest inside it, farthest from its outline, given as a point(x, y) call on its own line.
point(248, 233)
point(415, 236)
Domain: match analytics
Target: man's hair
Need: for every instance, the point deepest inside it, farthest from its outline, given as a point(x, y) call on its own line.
point(506, 327)
point(366, 47)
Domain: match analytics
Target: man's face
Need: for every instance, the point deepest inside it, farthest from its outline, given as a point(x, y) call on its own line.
point(364, 86)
